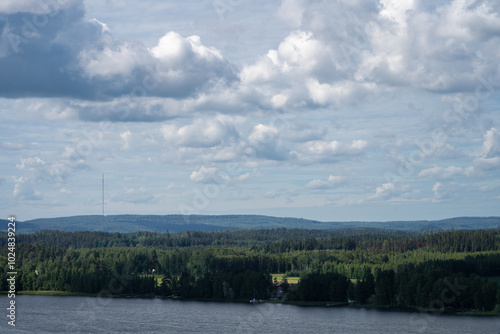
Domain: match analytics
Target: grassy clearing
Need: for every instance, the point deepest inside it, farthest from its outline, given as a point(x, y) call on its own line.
point(291, 280)
point(158, 277)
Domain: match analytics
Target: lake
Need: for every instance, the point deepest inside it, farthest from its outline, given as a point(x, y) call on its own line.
point(51, 314)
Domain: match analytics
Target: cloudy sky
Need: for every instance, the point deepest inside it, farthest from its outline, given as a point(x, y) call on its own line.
point(329, 110)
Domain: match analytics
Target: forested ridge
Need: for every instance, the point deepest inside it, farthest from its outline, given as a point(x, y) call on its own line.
point(449, 269)
point(180, 223)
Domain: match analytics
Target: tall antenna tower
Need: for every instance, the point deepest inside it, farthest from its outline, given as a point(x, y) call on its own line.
point(103, 194)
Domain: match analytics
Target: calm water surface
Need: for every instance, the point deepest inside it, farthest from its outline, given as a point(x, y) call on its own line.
point(50, 314)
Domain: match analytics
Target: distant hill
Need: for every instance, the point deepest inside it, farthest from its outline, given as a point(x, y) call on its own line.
point(179, 223)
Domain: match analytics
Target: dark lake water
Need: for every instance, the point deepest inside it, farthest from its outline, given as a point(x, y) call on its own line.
point(49, 314)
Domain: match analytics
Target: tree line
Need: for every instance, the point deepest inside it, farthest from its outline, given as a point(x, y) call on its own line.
point(367, 266)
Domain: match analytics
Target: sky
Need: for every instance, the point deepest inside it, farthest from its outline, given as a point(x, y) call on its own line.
point(331, 110)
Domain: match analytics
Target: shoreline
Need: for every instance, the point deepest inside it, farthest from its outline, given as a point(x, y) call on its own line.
point(294, 303)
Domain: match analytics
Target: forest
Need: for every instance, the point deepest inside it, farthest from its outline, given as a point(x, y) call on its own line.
point(447, 270)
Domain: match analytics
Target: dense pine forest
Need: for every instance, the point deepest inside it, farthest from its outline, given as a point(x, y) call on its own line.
point(452, 270)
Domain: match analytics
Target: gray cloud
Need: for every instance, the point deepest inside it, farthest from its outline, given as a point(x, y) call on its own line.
point(345, 52)
point(366, 50)
point(61, 54)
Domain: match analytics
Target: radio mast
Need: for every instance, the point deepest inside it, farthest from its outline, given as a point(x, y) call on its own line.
point(103, 194)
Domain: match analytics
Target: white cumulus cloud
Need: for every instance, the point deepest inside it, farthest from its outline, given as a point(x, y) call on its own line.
point(489, 158)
